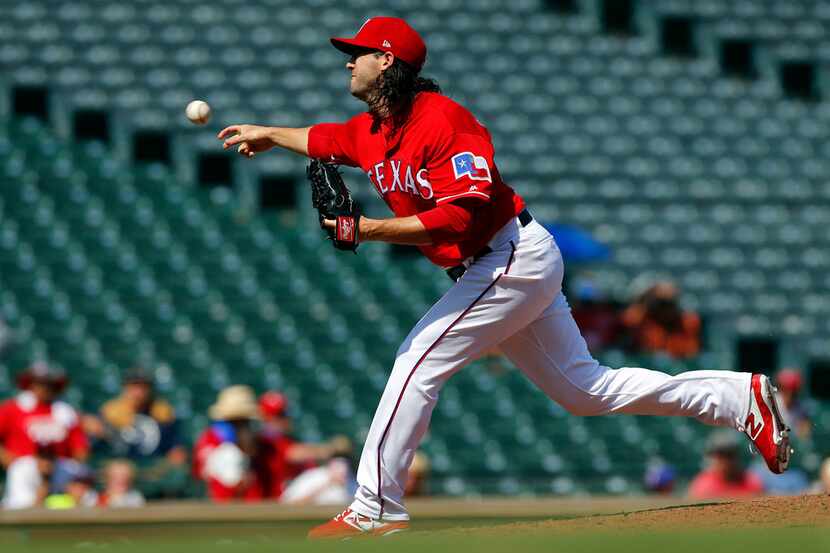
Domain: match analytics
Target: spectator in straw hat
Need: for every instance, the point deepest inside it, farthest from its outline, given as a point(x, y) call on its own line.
point(224, 453)
point(38, 434)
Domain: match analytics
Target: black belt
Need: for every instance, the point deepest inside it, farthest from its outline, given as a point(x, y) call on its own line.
point(458, 271)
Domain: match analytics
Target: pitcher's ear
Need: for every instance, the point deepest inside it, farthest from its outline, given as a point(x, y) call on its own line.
point(388, 59)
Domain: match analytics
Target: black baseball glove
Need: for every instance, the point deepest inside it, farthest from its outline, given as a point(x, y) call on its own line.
point(331, 198)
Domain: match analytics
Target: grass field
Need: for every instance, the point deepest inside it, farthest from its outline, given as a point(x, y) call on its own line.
point(799, 525)
point(801, 540)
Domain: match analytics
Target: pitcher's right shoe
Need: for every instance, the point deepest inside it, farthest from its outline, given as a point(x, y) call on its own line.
point(349, 524)
point(765, 426)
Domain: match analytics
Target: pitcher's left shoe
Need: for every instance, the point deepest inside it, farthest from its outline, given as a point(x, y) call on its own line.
point(349, 524)
point(765, 426)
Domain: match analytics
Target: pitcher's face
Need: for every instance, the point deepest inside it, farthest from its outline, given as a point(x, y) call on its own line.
point(365, 69)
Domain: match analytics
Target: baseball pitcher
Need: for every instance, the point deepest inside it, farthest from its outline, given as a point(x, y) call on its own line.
point(432, 162)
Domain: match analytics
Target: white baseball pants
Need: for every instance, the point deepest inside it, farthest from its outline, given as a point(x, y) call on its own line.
point(512, 298)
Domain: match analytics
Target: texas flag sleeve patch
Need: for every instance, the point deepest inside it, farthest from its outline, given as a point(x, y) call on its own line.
point(467, 164)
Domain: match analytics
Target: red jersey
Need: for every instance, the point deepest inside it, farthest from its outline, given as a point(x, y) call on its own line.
point(28, 427)
point(440, 154)
point(711, 485)
point(272, 466)
point(249, 489)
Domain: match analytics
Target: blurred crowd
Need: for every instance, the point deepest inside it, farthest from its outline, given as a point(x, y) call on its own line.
point(132, 450)
point(247, 452)
point(653, 321)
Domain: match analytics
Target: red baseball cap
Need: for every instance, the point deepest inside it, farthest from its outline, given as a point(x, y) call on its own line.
point(272, 404)
point(387, 34)
point(789, 379)
point(41, 372)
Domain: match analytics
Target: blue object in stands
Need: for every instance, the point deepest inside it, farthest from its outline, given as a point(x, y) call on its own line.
point(792, 482)
point(224, 430)
point(576, 244)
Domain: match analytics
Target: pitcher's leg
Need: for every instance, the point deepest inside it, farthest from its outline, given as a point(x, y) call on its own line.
point(553, 354)
point(399, 425)
point(440, 344)
point(484, 308)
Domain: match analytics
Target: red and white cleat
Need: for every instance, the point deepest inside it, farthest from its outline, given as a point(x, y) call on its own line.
point(349, 524)
point(766, 428)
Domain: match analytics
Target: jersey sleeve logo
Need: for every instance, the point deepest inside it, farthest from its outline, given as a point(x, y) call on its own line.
point(470, 165)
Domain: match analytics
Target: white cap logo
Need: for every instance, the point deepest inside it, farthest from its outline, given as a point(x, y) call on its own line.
point(386, 44)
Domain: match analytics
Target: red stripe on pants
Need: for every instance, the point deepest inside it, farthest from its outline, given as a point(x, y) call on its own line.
point(421, 360)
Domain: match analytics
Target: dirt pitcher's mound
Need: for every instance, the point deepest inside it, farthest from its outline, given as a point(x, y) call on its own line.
point(808, 510)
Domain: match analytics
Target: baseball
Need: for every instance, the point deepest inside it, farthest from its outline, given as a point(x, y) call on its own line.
point(198, 112)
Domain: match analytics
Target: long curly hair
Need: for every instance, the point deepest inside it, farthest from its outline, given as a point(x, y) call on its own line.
point(395, 91)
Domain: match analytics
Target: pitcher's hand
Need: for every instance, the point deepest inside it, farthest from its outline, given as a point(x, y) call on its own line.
point(251, 139)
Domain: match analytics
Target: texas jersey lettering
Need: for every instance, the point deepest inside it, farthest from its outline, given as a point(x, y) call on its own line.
point(414, 182)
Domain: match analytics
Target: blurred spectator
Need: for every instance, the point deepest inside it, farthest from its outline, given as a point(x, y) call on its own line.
point(792, 482)
point(656, 323)
point(417, 476)
point(333, 483)
point(118, 486)
point(595, 314)
point(142, 427)
point(725, 477)
point(224, 453)
point(72, 486)
point(660, 477)
point(38, 436)
point(281, 458)
point(822, 485)
point(789, 383)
